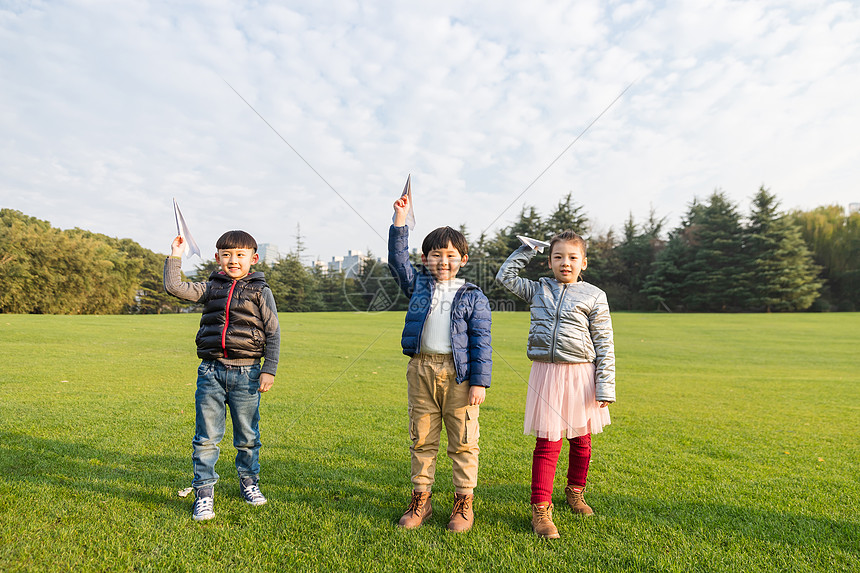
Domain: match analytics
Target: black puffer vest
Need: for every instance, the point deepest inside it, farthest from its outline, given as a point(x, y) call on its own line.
point(240, 332)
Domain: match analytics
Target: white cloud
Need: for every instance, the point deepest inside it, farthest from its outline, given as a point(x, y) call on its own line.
point(108, 112)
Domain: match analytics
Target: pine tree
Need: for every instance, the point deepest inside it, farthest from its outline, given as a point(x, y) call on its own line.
point(332, 290)
point(714, 278)
point(204, 269)
point(604, 267)
point(292, 285)
point(665, 284)
point(497, 249)
point(567, 215)
point(636, 253)
point(781, 271)
point(300, 241)
point(701, 268)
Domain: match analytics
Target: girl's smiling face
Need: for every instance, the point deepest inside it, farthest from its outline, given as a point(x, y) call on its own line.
point(567, 260)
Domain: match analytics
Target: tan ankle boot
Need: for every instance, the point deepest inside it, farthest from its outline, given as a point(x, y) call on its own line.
point(542, 521)
point(576, 500)
point(418, 512)
point(462, 517)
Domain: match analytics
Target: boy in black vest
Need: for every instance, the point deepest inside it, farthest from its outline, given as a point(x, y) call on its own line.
point(239, 326)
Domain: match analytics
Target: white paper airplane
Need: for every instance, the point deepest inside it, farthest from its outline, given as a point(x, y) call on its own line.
point(539, 246)
point(410, 216)
point(182, 231)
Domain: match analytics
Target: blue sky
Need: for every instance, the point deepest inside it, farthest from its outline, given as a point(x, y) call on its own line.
point(109, 110)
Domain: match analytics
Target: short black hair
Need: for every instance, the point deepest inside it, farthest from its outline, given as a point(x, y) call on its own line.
point(236, 240)
point(569, 236)
point(439, 239)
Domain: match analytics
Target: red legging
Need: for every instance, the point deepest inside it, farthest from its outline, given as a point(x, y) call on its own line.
point(545, 460)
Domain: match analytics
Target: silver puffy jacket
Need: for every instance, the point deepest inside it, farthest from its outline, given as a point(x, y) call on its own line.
point(569, 322)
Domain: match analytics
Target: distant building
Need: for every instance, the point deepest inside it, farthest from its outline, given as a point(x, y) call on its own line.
point(351, 264)
point(268, 253)
point(321, 266)
point(853, 208)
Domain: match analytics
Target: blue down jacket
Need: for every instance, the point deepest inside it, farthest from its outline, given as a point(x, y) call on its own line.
point(470, 314)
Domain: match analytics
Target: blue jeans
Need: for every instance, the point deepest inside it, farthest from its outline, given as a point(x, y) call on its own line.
point(217, 387)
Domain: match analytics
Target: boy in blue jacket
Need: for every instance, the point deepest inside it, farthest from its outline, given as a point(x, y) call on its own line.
point(447, 334)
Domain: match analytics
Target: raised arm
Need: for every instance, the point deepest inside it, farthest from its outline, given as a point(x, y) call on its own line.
point(401, 211)
point(172, 275)
point(508, 275)
point(398, 247)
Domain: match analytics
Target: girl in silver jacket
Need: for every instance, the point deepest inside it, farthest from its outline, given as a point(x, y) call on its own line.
point(572, 378)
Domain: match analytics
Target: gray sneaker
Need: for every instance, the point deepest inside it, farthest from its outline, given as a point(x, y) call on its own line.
point(251, 492)
point(204, 504)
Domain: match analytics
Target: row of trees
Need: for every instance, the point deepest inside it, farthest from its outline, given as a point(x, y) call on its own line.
point(834, 239)
point(47, 270)
point(714, 260)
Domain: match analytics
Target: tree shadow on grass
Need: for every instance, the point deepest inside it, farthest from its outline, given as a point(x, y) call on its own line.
point(720, 523)
point(54, 463)
point(723, 524)
point(354, 479)
point(342, 477)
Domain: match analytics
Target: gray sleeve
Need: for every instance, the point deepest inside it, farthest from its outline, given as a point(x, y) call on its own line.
point(508, 275)
point(273, 333)
point(600, 324)
point(174, 285)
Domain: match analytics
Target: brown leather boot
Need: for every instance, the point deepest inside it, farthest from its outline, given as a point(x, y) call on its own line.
point(576, 500)
point(418, 512)
point(462, 517)
point(542, 521)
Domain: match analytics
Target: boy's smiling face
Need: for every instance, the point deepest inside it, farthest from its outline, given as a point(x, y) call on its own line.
point(236, 263)
point(444, 263)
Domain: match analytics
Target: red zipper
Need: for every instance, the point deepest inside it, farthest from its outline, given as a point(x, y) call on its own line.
point(227, 320)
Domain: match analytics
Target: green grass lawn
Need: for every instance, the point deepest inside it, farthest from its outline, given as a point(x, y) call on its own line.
point(734, 446)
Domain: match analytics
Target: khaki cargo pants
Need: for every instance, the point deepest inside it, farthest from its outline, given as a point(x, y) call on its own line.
point(434, 396)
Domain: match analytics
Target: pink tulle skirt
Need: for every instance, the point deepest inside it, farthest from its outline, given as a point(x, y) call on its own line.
point(560, 401)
